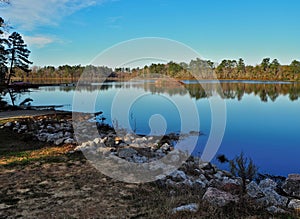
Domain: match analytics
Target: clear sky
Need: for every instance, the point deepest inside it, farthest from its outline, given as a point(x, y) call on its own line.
point(74, 31)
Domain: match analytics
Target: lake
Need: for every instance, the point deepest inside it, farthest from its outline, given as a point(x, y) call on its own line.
point(263, 119)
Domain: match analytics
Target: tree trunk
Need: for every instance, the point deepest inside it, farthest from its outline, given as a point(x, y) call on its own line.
point(11, 66)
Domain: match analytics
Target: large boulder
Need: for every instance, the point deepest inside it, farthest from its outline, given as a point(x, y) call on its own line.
point(267, 183)
point(272, 198)
point(292, 185)
point(218, 197)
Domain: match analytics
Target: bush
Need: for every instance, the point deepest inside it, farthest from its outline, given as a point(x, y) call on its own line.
point(242, 167)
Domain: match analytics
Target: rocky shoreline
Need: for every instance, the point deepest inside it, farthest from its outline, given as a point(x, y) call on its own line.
point(220, 187)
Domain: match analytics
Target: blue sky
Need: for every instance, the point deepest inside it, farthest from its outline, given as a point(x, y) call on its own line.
point(74, 32)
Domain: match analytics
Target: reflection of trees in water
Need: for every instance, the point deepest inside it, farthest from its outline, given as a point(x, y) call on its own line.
point(238, 90)
point(266, 92)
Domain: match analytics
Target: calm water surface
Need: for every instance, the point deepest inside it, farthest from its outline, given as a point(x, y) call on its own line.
point(263, 119)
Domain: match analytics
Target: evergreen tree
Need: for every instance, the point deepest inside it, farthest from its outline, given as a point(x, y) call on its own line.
point(18, 55)
point(3, 53)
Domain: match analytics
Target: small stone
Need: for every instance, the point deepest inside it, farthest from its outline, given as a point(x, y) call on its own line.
point(42, 137)
point(69, 141)
point(8, 124)
point(126, 152)
point(139, 159)
point(22, 191)
point(178, 176)
point(50, 128)
point(165, 147)
point(44, 183)
point(202, 177)
point(140, 140)
point(218, 175)
point(275, 210)
point(190, 207)
point(188, 182)
point(59, 141)
point(200, 184)
point(23, 128)
point(97, 140)
point(68, 134)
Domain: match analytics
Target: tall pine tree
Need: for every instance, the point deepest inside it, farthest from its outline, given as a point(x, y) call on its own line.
point(3, 53)
point(18, 55)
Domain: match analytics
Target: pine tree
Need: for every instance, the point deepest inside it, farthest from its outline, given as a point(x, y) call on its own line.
point(3, 53)
point(18, 55)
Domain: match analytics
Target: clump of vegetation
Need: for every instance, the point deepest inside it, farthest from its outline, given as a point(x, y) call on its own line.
point(241, 166)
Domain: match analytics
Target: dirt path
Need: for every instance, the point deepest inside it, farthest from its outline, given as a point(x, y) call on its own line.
point(27, 113)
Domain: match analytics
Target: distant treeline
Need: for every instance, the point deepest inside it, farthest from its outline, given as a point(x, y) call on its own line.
point(199, 69)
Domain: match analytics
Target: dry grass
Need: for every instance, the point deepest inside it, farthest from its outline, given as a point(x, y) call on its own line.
point(34, 155)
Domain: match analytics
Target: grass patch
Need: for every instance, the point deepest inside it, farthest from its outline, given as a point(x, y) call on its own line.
point(48, 154)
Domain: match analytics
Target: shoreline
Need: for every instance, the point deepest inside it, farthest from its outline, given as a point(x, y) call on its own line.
point(28, 115)
point(210, 184)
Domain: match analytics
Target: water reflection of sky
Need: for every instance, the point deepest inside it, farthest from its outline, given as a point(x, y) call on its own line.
point(268, 132)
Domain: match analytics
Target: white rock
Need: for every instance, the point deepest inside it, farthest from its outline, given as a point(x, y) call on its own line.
point(190, 207)
point(97, 140)
point(140, 140)
point(267, 183)
point(294, 204)
point(59, 141)
point(139, 159)
point(150, 138)
point(8, 124)
point(254, 191)
point(165, 147)
point(69, 141)
point(218, 175)
point(178, 175)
